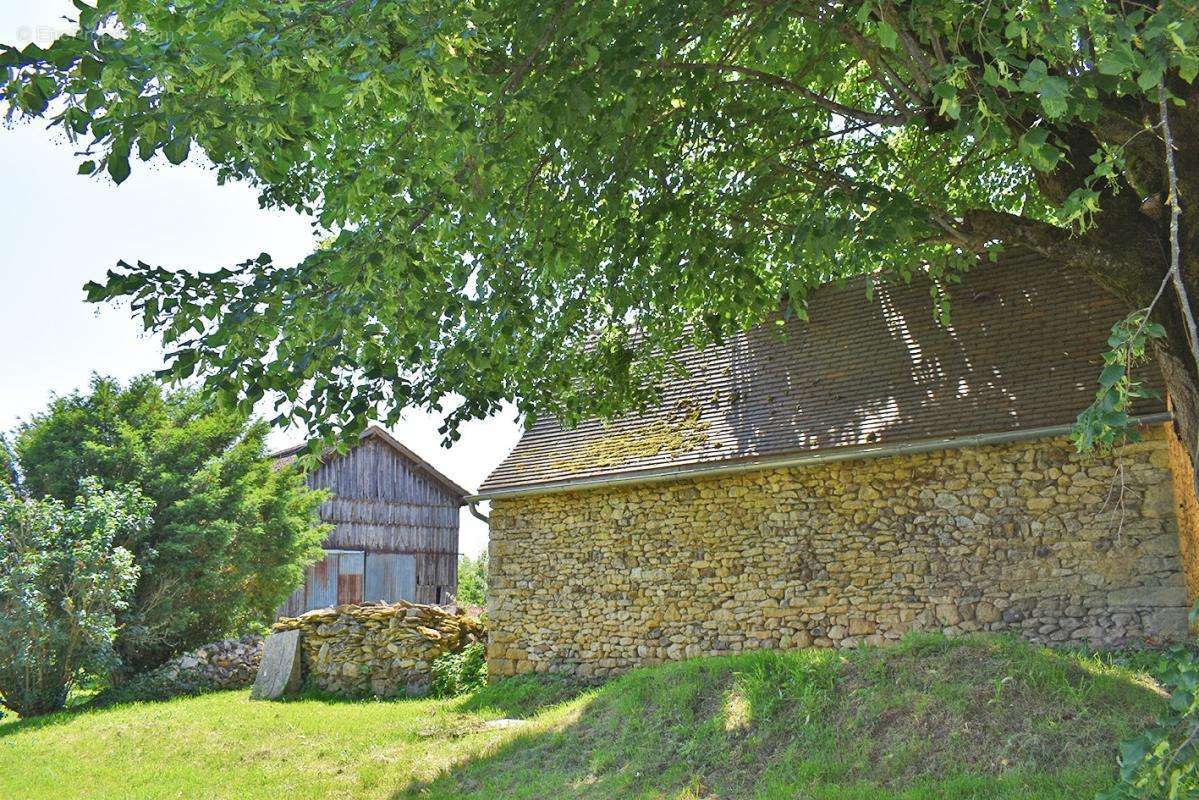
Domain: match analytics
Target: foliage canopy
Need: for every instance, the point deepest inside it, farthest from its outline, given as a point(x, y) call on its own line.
point(540, 203)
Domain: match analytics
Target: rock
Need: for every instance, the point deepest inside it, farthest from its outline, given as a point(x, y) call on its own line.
point(279, 672)
point(860, 627)
point(986, 612)
point(1158, 500)
point(948, 614)
point(1148, 596)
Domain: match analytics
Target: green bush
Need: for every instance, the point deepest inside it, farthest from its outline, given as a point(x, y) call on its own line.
point(1163, 762)
point(231, 535)
point(63, 580)
point(459, 673)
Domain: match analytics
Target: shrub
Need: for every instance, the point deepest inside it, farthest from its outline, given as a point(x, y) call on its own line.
point(1163, 762)
point(231, 535)
point(63, 580)
point(459, 673)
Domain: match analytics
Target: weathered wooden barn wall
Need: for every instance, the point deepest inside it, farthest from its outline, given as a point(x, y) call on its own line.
point(383, 503)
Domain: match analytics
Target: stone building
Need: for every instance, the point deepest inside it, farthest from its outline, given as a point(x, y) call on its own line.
point(864, 474)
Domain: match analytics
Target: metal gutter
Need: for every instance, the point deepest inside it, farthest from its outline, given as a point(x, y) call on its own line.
point(803, 459)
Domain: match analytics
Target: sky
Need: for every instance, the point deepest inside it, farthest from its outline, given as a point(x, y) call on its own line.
point(59, 230)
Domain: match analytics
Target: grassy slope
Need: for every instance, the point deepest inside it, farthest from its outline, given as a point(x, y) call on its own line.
point(973, 718)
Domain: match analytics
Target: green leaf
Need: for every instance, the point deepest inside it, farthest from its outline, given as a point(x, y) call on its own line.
point(1188, 67)
point(1053, 92)
point(177, 149)
point(1111, 375)
point(90, 68)
point(887, 35)
point(95, 292)
point(87, 167)
point(1131, 753)
point(1150, 77)
point(1154, 331)
point(1116, 61)
point(118, 168)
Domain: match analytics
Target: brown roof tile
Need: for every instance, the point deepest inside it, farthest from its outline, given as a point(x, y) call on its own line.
point(1023, 352)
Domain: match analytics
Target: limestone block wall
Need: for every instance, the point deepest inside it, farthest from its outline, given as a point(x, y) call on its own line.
point(379, 649)
point(1028, 537)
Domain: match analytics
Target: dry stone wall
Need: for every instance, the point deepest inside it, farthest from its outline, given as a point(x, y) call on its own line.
point(382, 650)
point(1028, 537)
point(227, 664)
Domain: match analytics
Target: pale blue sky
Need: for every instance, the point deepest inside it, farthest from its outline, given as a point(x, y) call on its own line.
point(59, 230)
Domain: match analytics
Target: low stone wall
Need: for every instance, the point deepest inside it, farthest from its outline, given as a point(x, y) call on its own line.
point(381, 650)
point(228, 664)
point(1029, 537)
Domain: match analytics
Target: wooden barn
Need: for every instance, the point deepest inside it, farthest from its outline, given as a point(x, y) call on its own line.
point(395, 527)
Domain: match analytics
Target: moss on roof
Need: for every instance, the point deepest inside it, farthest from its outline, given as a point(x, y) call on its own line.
point(683, 434)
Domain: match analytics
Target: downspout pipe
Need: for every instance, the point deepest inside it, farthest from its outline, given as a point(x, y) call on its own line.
point(473, 506)
point(799, 460)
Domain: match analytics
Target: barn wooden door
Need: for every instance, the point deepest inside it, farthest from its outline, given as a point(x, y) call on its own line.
point(336, 579)
point(390, 577)
point(322, 582)
point(350, 570)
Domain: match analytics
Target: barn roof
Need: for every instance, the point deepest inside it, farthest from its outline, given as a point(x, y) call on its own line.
point(290, 454)
point(1021, 356)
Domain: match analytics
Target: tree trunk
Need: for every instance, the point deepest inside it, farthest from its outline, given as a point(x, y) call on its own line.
point(1183, 393)
point(1177, 366)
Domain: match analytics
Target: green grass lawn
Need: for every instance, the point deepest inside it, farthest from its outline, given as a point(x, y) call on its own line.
point(968, 718)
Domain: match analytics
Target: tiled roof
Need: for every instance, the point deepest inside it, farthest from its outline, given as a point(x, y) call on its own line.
point(1023, 352)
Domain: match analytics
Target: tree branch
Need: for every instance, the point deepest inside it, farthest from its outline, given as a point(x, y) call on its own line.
point(1175, 204)
point(874, 59)
point(983, 225)
point(522, 69)
point(861, 115)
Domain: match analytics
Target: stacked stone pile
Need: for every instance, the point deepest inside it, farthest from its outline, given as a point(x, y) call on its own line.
point(228, 664)
point(383, 650)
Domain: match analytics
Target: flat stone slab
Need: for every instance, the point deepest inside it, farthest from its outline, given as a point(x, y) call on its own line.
point(279, 671)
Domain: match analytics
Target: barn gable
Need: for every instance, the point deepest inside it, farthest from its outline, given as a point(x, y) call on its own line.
point(395, 527)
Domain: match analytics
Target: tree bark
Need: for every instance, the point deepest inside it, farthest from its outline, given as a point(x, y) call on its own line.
point(1127, 251)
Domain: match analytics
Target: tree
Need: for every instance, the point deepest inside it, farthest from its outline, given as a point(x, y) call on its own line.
point(472, 580)
point(63, 581)
point(8, 466)
point(541, 203)
point(231, 535)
